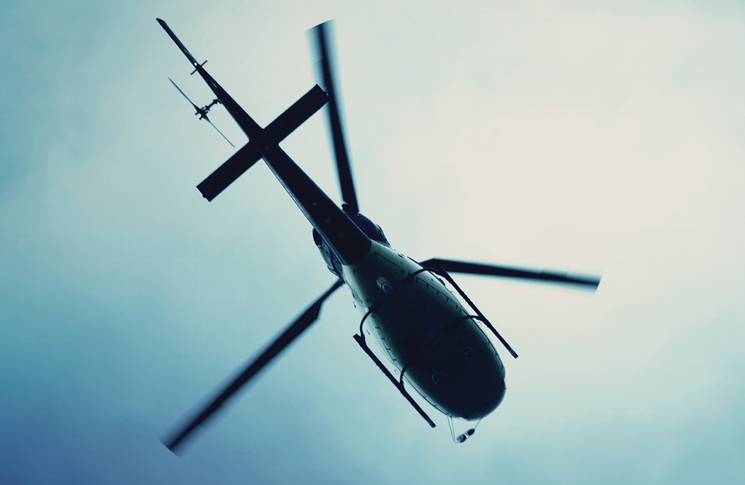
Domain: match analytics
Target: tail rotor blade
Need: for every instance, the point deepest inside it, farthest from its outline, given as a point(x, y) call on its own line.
point(340, 149)
point(184, 95)
point(199, 111)
point(213, 126)
point(280, 343)
point(589, 282)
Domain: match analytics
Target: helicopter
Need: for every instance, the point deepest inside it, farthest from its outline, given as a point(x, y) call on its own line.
point(432, 333)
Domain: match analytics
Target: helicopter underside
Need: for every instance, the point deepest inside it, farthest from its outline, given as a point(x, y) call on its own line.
point(426, 332)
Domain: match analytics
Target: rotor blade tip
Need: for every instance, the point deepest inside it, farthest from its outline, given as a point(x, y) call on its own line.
point(172, 447)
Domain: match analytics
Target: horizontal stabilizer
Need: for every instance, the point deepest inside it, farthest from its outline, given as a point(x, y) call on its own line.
point(229, 171)
point(297, 114)
point(278, 130)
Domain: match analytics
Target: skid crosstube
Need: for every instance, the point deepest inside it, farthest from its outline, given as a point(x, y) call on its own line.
point(278, 130)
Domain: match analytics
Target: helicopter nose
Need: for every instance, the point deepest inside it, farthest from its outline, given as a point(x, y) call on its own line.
point(493, 396)
point(485, 402)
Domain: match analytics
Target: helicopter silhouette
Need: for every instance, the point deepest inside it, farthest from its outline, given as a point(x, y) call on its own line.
point(434, 340)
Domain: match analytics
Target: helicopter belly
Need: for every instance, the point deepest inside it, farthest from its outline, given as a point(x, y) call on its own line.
point(427, 333)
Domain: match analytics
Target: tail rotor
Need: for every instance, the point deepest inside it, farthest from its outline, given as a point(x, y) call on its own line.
point(202, 112)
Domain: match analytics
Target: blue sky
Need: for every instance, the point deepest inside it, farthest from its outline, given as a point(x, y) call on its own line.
point(599, 138)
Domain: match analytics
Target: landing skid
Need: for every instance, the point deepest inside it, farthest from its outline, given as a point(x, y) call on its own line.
point(398, 383)
point(481, 316)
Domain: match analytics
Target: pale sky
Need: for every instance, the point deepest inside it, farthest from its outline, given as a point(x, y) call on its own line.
point(600, 138)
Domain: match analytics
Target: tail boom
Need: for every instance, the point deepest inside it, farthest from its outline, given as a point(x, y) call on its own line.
point(343, 236)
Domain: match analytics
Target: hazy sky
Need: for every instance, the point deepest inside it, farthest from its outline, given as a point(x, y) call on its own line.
point(602, 138)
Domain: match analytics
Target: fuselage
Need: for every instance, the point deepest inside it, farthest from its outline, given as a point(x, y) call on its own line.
point(427, 333)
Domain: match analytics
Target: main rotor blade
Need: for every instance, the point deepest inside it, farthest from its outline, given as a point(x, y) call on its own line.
point(291, 333)
point(337, 135)
point(184, 95)
point(508, 272)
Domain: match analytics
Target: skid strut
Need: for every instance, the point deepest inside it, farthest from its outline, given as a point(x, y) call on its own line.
point(399, 384)
point(481, 316)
